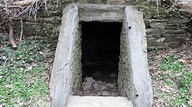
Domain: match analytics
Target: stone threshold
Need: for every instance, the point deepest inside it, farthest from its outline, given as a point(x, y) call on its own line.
point(98, 101)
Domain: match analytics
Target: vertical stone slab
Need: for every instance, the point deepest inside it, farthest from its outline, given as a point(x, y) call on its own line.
point(123, 75)
point(140, 82)
point(61, 76)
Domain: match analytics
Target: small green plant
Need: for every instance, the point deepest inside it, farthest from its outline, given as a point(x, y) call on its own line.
point(23, 76)
point(168, 63)
point(185, 79)
point(174, 72)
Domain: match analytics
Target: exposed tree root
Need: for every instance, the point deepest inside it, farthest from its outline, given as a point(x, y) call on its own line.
point(25, 2)
point(11, 35)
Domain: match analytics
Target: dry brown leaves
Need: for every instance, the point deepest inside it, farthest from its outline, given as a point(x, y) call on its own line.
point(159, 86)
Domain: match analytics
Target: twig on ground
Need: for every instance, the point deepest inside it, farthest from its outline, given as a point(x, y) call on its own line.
point(10, 6)
point(21, 33)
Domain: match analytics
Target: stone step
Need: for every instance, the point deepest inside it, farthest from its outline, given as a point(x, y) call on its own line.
point(98, 101)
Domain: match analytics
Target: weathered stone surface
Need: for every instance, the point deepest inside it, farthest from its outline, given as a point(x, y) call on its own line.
point(101, 13)
point(63, 66)
point(176, 20)
point(157, 25)
point(155, 44)
point(123, 81)
point(105, 8)
point(156, 31)
point(141, 89)
point(101, 16)
point(98, 101)
point(180, 31)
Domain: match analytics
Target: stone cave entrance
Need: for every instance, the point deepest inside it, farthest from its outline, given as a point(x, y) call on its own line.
point(100, 58)
point(101, 52)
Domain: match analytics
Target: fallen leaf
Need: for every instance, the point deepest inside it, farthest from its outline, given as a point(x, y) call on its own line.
point(1, 77)
point(8, 86)
point(182, 60)
point(29, 68)
point(190, 103)
point(41, 53)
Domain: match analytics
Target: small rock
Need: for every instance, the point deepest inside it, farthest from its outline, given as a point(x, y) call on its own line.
point(105, 93)
point(99, 82)
point(114, 84)
point(99, 94)
point(88, 83)
point(110, 85)
point(96, 86)
point(114, 94)
point(113, 75)
point(89, 79)
point(102, 87)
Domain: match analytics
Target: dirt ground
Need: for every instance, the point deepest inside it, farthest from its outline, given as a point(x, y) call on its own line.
point(166, 95)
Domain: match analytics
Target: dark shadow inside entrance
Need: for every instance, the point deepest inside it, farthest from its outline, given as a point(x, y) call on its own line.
point(100, 56)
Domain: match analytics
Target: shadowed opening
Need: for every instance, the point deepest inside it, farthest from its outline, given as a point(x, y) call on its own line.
point(100, 52)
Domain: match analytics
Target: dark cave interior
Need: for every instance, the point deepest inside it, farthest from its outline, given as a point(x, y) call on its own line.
point(100, 50)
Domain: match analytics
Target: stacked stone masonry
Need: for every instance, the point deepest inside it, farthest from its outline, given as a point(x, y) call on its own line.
point(163, 29)
point(123, 66)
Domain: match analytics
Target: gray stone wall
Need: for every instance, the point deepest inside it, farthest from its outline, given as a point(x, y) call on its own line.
point(163, 29)
point(76, 64)
point(124, 76)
